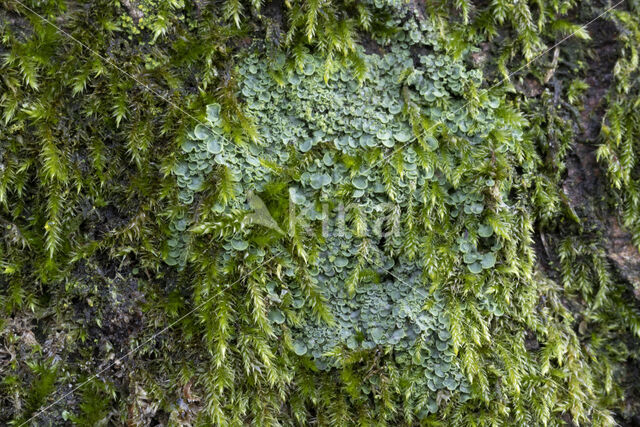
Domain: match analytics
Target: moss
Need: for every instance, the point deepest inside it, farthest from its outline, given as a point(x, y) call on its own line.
point(123, 214)
point(618, 151)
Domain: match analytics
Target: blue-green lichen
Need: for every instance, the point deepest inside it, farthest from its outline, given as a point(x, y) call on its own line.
point(411, 115)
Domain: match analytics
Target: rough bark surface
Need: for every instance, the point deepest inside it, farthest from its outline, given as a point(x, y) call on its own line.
point(585, 184)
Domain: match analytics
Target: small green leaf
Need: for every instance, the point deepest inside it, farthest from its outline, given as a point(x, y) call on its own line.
point(214, 146)
point(389, 143)
point(475, 268)
point(239, 245)
point(352, 343)
point(327, 159)
point(465, 247)
point(213, 113)
point(470, 257)
point(296, 196)
point(450, 383)
point(188, 146)
point(181, 169)
point(384, 134)
point(300, 348)
point(306, 145)
point(485, 230)
point(431, 142)
point(403, 135)
point(488, 260)
point(376, 334)
point(195, 184)
point(317, 181)
point(477, 208)
point(308, 69)
point(276, 316)
point(341, 262)
point(360, 182)
point(202, 132)
point(181, 224)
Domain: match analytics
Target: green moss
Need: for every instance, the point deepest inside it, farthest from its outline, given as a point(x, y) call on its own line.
point(620, 131)
point(420, 301)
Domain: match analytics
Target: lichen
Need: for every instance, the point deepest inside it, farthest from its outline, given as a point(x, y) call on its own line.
point(307, 212)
